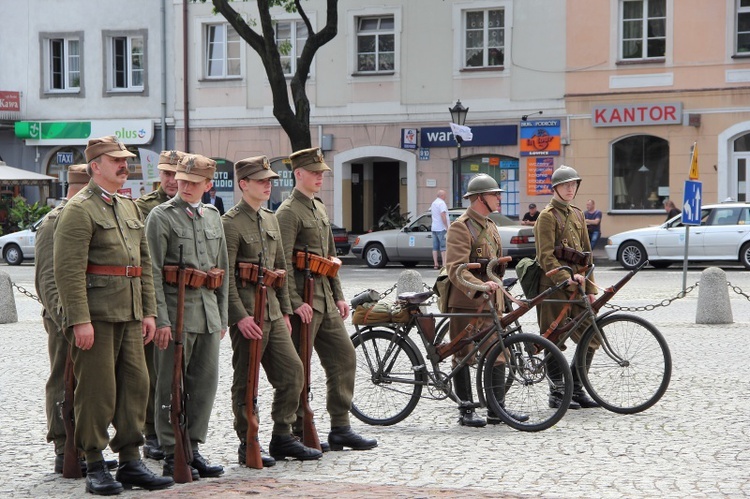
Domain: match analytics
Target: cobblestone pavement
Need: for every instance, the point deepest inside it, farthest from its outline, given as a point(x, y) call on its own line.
point(694, 443)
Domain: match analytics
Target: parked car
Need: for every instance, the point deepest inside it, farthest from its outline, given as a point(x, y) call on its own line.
point(724, 234)
point(413, 244)
point(19, 246)
point(341, 239)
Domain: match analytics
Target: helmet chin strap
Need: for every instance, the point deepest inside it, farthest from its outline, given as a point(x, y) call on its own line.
point(481, 196)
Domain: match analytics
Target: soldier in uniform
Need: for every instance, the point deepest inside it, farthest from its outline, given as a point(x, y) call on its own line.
point(57, 345)
point(473, 237)
point(167, 189)
point(102, 263)
point(185, 221)
point(304, 223)
point(562, 225)
point(251, 230)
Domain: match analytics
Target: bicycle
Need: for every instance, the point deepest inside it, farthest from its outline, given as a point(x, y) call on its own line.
point(392, 372)
point(633, 369)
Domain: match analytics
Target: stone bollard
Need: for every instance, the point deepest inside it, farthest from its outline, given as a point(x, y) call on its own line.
point(8, 313)
point(714, 306)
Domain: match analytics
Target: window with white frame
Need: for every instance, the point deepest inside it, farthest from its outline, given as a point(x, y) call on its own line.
point(743, 27)
point(643, 29)
point(290, 39)
point(126, 62)
point(222, 51)
point(376, 44)
point(62, 63)
point(484, 38)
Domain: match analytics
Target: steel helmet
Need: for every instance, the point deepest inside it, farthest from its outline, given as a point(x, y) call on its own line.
point(564, 174)
point(480, 184)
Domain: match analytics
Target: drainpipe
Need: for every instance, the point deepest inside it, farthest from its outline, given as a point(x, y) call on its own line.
point(163, 75)
point(185, 99)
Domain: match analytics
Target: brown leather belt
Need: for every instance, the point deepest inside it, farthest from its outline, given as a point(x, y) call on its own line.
point(117, 270)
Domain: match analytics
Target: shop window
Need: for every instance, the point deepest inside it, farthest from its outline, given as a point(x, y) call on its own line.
point(504, 169)
point(643, 29)
point(640, 173)
point(484, 38)
point(281, 187)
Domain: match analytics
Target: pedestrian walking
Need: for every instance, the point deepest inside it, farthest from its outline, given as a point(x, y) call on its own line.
point(103, 268)
point(439, 211)
point(185, 226)
point(252, 232)
point(305, 227)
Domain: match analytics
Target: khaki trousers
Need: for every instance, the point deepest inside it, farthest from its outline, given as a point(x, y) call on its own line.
point(54, 390)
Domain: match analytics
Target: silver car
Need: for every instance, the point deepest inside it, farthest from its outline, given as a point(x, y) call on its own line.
point(19, 246)
point(413, 244)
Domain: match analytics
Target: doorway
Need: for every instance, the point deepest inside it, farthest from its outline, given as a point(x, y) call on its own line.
point(385, 187)
point(358, 198)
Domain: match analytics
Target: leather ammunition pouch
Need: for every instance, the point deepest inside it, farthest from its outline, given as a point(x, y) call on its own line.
point(194, 278)
point(328, 267)
point(572, 256)
point(247, 273)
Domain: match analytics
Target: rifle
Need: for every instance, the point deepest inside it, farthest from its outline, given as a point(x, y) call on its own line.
point(309, 433)
point(183, 454)
point(71, 460)
point(252, 456)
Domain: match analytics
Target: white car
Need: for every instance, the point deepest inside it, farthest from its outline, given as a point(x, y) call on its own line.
point(413, 244)
point(19, 246)
point(724, 234)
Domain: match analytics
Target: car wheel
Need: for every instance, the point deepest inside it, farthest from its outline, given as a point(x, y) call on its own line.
point(409, 264)
point(13, 255)
point(660, 264)
point(745, 255)
point(375, 256)
point(632, 255)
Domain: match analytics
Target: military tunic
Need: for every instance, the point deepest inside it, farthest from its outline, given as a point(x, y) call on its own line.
point(304, 222)
point(248, 233)
point(200, 233)
point(57, 345)
point(100, 228)
point(465, 245)
point(548, 233)
point(146, 203)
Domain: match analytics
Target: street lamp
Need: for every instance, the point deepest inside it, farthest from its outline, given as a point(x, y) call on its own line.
point(458, 116)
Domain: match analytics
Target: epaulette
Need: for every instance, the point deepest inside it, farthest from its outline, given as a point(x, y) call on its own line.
point(83, 194)
point(211, 207)
point(233, 211)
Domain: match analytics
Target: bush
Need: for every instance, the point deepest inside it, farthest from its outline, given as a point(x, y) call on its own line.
point(22, 214)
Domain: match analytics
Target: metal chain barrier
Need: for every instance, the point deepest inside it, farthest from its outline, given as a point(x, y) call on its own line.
point(738, 290)
point(24, 292)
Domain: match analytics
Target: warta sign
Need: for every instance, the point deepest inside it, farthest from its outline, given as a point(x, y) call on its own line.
point(76, 133)
point(666, 113)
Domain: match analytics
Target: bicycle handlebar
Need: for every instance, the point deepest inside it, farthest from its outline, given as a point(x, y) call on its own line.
point(491, 268)
point(483, 288)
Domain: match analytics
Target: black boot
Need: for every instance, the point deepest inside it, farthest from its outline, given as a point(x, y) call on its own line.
point(323, 444)
point(135, 474)
point(99, 481)
point(284, 446)
point(168, 468)
point(267, 460)
point(343, 436)
point(462, 387)
point(205, 470)
point(579, 394)
point(60, 461)
point(152, 449)
point(498, 386)
point(557, 387)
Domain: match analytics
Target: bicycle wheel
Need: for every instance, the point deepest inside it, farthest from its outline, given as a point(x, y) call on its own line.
point(631, 370)
point(516, 380)
point(389, 378)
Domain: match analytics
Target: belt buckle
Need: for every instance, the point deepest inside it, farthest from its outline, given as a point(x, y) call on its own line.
point(127, 270)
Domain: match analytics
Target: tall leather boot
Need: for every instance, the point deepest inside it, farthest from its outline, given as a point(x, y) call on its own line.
point(579, 394)
point(498, 386)
point(557, 387)
point(467, 415)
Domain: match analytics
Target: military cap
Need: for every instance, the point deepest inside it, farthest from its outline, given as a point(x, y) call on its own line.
point(310, 159)
point(256, 168)
point(108, 145)
point(194, 168)
point(78, 174)
point(168, 160)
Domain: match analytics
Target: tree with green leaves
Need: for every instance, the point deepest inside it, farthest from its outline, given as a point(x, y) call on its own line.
point(294, 115)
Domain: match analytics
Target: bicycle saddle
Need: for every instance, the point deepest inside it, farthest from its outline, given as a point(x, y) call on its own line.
point(415, 298)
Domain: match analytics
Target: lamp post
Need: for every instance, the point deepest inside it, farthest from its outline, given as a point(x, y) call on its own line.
point(458, 116)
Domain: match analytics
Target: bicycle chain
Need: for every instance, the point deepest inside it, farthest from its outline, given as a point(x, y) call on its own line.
point(24, 292)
